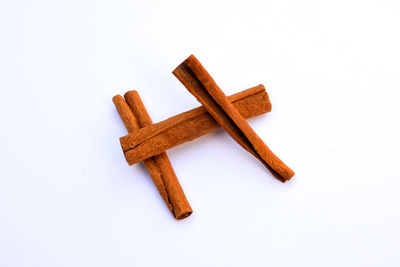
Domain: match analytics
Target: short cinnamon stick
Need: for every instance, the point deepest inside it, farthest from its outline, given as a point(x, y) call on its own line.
point(159, 167)
point(199, 83)
point(159, 137)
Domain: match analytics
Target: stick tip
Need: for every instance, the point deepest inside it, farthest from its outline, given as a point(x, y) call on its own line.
point(191, 59)
point(183, 215)
point(131, 92)
point(117, 98)
point(289, 176)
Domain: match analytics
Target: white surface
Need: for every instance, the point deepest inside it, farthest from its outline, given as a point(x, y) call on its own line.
point(331, 68)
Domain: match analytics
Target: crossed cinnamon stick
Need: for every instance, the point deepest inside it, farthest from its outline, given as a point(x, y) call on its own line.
point(197, 80)
point(134, 116)
point(148, 142)
point(152, 140)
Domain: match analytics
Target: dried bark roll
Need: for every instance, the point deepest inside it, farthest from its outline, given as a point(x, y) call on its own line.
point(159, 166)
point(200, 84)
point(159, 137)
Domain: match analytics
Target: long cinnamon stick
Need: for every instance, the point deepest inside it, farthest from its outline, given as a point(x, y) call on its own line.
point(159, 166)
point(159, 137)
point(200, 84)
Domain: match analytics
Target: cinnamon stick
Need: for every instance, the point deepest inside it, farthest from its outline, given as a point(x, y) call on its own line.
point(159, 137)
point(134, 116)
point(200, 84)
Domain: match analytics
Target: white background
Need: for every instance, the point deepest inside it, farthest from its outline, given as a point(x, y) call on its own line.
point(331, 68)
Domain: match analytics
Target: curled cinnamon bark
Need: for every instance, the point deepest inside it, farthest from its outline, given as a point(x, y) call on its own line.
point(200, 84)
point(159, 137)
point(134, 116)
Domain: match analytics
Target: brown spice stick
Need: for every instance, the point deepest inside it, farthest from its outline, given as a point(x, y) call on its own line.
point(200, 84)
point(159, 137)
point(159, 166)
